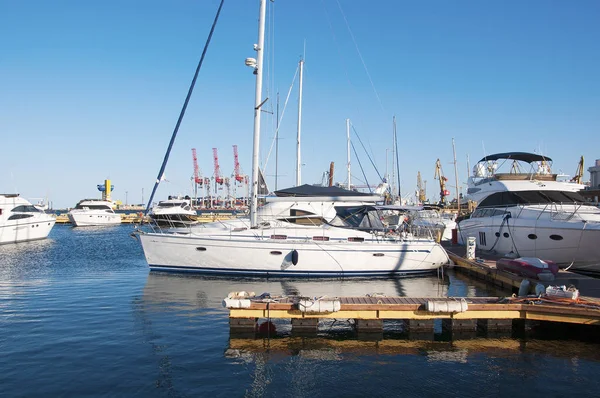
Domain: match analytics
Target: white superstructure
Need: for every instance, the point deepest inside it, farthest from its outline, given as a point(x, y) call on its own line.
point(93, 212)
point(531, 214)
point(21, 221)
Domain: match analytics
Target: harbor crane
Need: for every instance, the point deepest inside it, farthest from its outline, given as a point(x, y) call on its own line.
point(421, 194)
point(197, 178)
point(236, 166)
point(439, 175)
point(578, 177)
point(238, 176)
point(218, 178)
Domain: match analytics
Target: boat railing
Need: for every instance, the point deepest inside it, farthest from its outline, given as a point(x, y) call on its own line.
point(557, 210)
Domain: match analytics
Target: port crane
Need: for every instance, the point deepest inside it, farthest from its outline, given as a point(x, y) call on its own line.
point(219, 180)
point(239, 179)
point(196, 178)
point(578, 177)
point(421, 194)
point(439, 175)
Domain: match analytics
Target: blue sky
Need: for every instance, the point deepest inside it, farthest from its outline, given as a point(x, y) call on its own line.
point(92, 90)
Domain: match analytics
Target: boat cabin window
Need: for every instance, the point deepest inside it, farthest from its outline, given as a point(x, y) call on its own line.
point(94, 207)
point(303, 217)
point(19, 216)
point(26, 209)
point(488, 213)
point(515, 198)
point(171, 204)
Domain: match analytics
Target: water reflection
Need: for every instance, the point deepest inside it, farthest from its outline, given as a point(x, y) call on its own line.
point(208, 292)
point(329, 349)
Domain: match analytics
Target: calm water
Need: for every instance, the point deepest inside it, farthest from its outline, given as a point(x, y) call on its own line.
point(80, 315)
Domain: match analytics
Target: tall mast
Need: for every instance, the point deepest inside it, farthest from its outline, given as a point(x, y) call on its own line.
point(348, 139)
point(456, 178)
point(298, 158)
point(393, 182)
point(257, 104)
point(277, 143)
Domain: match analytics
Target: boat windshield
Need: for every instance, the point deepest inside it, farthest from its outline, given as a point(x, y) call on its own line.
point(358, 217)
point(171, 204)
point(93, 207)
point(428, 214)
point(514, 198)
point(26, 209)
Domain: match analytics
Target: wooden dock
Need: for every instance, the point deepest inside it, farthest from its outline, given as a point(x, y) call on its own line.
point(484, 268)
point(368, 313)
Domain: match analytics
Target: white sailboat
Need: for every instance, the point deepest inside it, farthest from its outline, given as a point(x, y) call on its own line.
point(299, 243)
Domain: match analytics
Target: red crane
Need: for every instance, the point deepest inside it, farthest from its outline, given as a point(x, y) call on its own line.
point(218, 178)
point(197, 179)
point(236, 165)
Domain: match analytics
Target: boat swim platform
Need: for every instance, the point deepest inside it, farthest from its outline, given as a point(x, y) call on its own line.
point(458, 314)
point(483, 267)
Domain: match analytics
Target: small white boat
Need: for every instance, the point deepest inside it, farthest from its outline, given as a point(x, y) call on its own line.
point(174, 212)
point(93, 212)
point(20, 221)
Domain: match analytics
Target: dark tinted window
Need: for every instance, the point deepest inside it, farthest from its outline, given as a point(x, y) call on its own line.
point(19, 216)
point(530, 197)
point(26, 209)
point(93, 207)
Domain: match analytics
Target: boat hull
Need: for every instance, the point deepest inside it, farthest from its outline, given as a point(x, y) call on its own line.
point(88, 219)
point(268, 257)
point(568, 244)
point(26, 231)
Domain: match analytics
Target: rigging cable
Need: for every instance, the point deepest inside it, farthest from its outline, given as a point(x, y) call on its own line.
point(281, 118)
point(361, 168)
point(182, 113)
point(371, 159)
point(360, 55)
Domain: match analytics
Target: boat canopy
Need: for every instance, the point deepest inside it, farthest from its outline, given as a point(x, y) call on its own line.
point(513, 198)
point(522, 156)
point(313, 190)
point(357, 217)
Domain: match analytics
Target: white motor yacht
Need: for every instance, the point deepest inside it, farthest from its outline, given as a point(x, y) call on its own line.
point(21, 221)
point(526, 212)
point(174, 212)
point(94, 212)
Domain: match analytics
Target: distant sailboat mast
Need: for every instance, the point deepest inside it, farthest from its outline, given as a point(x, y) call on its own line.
point(348, 139)
point(258, 69)
point(298, 157)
